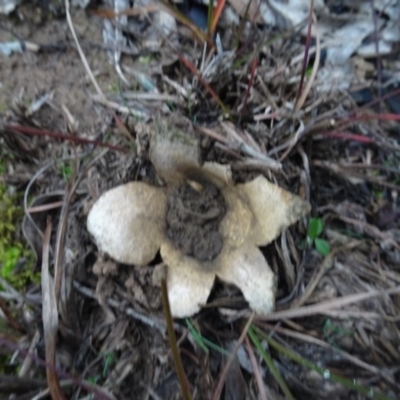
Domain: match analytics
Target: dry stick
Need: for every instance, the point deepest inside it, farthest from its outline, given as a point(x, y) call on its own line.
point(260, 382)
point(81, 53)
point(62, 231)
point(28, 361)
point(50, 318)
point(180, 371)
point(346, 314)
point(45, 207)
point(378, 56)
point(59, 135)
point(221, 381)
point(118, 107)
point(314, 71)
point(320, 308)
point(60, 241)
point(305, 55)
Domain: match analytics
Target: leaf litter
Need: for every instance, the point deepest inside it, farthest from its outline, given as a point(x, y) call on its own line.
point(97, 326)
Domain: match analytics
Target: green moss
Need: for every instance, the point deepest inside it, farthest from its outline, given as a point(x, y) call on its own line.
point(12, 250)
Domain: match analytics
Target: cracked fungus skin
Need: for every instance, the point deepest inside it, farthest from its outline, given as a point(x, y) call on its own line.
point(130, 224)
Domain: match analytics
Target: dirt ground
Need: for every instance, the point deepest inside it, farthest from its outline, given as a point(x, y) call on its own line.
point(335, 333)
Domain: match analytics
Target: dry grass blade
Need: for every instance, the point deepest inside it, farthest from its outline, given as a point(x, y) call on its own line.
point(50, 319)
point(222, 377)
point(324, 306)
point(81, 53)
point(314, 71)
point(45, 207)
point(345, 136)
point(306, 52)
point(60, 242)
point(119, 108)
point(260, 383)
point(26, 365)
point(270, 363)
point(217, 15)
point(29, 130)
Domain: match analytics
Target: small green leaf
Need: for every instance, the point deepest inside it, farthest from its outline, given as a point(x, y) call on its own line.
point(322, 246)
point(303, 244)
point(315, 227)
point(309, 71)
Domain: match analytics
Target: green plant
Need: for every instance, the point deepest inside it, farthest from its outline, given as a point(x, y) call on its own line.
point(315, 229)
point(108, 362)
point(66, 171)
point(202, 342)
point(11, 250)
point(332, 332)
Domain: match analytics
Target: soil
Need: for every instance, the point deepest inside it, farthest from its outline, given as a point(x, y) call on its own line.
point(193, 218)
point(54, 70)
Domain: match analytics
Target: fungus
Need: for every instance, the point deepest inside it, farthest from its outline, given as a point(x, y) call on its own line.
point(204, 225)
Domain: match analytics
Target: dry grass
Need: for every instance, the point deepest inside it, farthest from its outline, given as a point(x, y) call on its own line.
point(102, 333)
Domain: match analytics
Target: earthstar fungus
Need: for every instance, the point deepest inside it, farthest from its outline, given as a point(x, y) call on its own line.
point(204, 225)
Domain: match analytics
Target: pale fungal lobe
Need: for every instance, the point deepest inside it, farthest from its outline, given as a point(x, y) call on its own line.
point(127, 222)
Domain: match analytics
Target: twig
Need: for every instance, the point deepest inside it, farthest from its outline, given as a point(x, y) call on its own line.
point(50, 318)
point(260, 382)
point(118, 107)
point(314, 71)
point(222, 377)
point(305, 56)
point(81, 53)
point(323, 306)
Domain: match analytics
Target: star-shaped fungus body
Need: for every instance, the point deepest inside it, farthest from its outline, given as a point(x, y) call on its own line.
point(204, 225)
